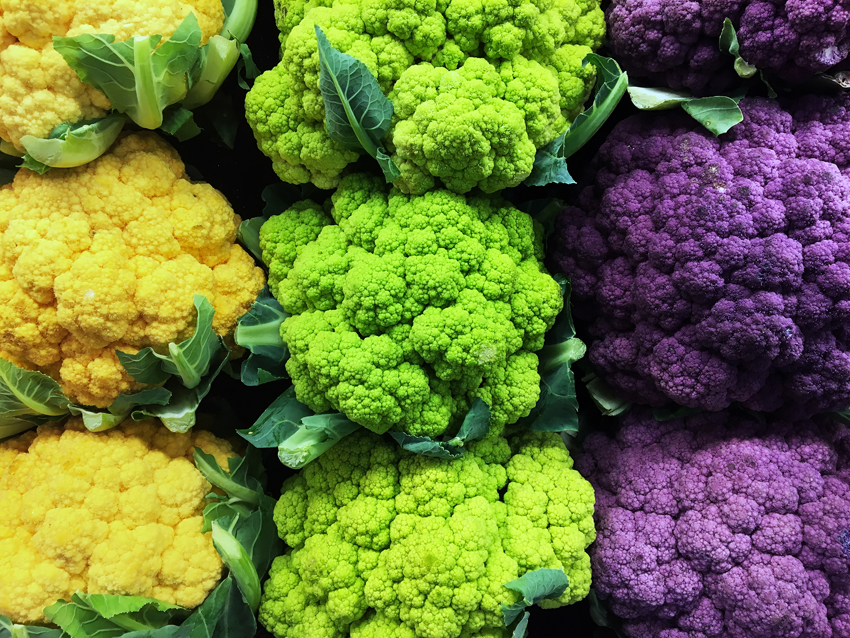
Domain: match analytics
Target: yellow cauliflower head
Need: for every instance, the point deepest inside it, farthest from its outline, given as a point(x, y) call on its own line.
point(118, 512)
point(38, 90)
point(109, 256)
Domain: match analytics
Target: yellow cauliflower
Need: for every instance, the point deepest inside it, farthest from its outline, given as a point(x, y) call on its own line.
point(118, 512)
point(109, 256)
point(38, 90)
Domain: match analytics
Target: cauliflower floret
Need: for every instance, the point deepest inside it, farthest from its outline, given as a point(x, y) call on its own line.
point(117, 512)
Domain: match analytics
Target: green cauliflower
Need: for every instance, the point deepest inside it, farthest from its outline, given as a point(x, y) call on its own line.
point(388, 544)
point(409, 308)
point(477, 86)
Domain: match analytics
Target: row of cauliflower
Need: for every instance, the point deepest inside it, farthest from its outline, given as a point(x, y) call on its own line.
point(710, 279)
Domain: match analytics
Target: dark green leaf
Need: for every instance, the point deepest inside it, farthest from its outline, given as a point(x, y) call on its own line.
point(718, 114)
point(606, 400)
point(27, 399)
point(729, 44)
point(534, 587)
point(550, 164)
point(521, 628)
point(258, 330)
point(602, 616)
point(357, 114)
point(657, 99)
point(237, 559)
point(142, 76)
point(239, 19)
point(475, 426)
point(246, 69)
point(180, 123)
point(242, 490)
point(8, 629)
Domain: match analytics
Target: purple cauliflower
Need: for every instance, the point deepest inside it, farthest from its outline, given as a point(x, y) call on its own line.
point(677, 42)
point(717, 270)
point(717, 525)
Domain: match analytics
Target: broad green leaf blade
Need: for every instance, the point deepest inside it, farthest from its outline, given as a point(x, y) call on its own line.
point(240, 16)
point(213, 472)
point(133, 613)
point(550, 162)
point(475, 426)
point(606, 400)
point(557, 407)
point(357, 114)
point(248, 234)
point(80, 144)
point(729, 44)
point(258, 330)
point(238, 561)
point(8, 629)
point(247, 69)
point(141, 76)
point(180, 123)
point(667, 413)
point(278, 422)
point(25, 394)
point(655, 99)
point(224, 614)
point(718, 114)
point(534, 587)
point(97, 421)
point(178, 415)
point(189, 359)
point(152, 396)
point(521, 629)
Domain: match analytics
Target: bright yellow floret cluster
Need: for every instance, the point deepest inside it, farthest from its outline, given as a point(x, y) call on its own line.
point(38, 90)
point(118, 512)
point(109, 256)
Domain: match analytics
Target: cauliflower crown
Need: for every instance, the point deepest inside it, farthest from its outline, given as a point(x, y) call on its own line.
point(410, 307)
point(108, 257)
point(715, 271)
point(387, 543)
point(477, 86)
point(718, 525)
point(38, 90)
point(117, 512)
point(677, 43)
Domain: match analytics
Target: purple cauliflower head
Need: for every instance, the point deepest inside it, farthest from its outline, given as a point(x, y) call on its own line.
point(677, 43)
point(717, 525)
point(717, 270)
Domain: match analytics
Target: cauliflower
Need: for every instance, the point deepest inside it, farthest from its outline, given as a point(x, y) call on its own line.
point(108, 257)
point(676, 43)
point(715, 271)
point(38, 90)
point(410, 307)
point(719, 525)
point(388, 543)
point(477, 86)
point(118, 512)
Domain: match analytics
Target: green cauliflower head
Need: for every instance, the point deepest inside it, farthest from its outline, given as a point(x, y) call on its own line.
point(411, 307)
point(477, 86)
point(385, 543)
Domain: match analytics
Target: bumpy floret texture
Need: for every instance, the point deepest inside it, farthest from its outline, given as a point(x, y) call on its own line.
point(410, 307)
point(38, 90)
point(477, 86)
point(721, 525)
point(677, 43)
point(387, 543)
point(109, 256)
point(117, 512)
point(715, 271)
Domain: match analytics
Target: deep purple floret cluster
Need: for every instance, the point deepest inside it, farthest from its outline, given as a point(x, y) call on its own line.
point(717, 270)
point(718, 525)
point(677, 42)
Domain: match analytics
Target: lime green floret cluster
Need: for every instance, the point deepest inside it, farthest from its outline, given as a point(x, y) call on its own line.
point(407, 308)
point(477, 86)
point(388, 544)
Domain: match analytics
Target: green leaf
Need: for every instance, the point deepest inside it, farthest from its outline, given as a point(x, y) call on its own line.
point(27, 399)
point(72, 146)
point(141, 76)
point(656, 99)
point(357, 114)
point(550, 163)
point(602, 616)
point(236, 557)
point(475, 426)
point(718, 114)
point(729, 44)
point(258, 330)
point(534, 587)
point(189, 359)
point(557, 407)
point(8, 629)
point(178, 415)
point(240, 16)
point(606, 400)
point(667, 413)
point(180, 123)
point(299, 435)
point(216, 60)
point(246, 70)
point(521, 628)
point(243, 487)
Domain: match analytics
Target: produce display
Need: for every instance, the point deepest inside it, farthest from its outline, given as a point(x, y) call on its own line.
point(383, 319)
